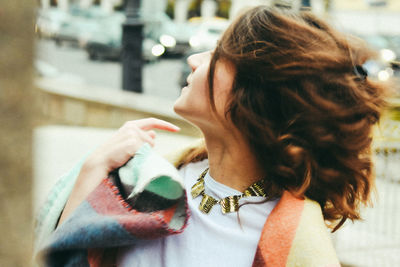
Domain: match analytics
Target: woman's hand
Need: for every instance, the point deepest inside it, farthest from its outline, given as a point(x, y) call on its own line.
point(125, 142)
point(113, 154)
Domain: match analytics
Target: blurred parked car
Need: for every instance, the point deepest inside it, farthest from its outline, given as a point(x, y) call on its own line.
point(161, 37)
point(111, 49)
point(388, 63)
point(49, 21)
point(207, 34)
point(107, 27)
point(106, 42)
point(100, 33)
point(93, 12)
point(73, 31)
point(173, 36)
point(84, 23)
point(98, 50)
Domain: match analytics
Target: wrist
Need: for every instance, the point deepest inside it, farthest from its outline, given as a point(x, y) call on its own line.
point(95, 164)
point(91, 174)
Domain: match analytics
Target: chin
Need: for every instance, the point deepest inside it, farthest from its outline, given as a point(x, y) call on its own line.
point(181, 108)
point(192, 109)
point(177, 106)
point(185, 111)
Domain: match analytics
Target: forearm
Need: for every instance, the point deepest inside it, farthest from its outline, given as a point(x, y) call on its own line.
point(89, 178)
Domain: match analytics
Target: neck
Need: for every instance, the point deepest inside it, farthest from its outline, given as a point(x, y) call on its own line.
point(232, 163)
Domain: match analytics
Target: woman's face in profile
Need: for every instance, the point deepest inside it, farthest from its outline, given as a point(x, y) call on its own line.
point(194, 101)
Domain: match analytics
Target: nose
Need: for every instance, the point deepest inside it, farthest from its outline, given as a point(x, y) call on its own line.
point(196, 60)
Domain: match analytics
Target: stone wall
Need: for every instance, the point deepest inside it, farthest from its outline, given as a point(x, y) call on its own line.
point(84, 105)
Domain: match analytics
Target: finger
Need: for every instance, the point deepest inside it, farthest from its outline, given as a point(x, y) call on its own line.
point(133, 145)
point(151, 133)
point(133, 134)
point(145, 137)
point(153, 123)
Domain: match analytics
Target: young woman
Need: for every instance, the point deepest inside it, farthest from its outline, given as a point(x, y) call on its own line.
point(286, 110)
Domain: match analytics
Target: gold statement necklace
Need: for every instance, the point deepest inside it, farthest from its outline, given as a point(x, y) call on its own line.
point(228, 204)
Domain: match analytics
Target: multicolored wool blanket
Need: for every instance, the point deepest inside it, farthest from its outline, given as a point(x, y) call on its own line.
point(145, 199)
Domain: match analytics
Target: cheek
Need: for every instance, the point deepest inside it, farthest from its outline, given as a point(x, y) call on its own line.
point(223, 83)
point(194, 100)
point(200, 81)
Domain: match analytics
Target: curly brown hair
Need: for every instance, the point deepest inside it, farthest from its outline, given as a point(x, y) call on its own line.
point(303, 109)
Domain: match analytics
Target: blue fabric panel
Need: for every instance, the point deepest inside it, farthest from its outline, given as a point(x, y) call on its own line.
point(84, 229)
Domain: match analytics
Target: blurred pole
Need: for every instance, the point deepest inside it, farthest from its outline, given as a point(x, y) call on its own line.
point(107, 6)
point(152, 7)
point(45, 4)
point(328, 5)
point(63, 5)
point(181, 11)
point(85, 4)
point(132, 38)
point(208, 9)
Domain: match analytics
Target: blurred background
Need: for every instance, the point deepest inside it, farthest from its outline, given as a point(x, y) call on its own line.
point(81, 40)
point(72, 71)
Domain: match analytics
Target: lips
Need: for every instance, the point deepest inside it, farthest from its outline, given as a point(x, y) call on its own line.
point(188, 79)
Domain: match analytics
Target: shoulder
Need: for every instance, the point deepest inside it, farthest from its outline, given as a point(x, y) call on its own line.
point(312, 244)
point(295, 234)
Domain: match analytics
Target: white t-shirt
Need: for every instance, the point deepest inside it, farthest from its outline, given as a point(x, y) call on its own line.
point(213, 239)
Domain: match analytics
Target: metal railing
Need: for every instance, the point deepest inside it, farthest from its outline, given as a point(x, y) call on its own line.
point(375, 241)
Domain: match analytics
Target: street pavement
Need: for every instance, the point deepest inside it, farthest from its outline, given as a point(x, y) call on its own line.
point(160, 78)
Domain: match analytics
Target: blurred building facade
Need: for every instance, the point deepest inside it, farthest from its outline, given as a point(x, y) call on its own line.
point(208, 8)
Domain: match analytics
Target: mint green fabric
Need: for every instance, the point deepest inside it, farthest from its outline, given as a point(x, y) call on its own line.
point(166, 187)
point(156, 173)
point(47, 218)
point(129, 173)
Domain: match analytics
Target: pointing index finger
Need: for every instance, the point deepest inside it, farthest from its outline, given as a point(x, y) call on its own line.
point(152, 123)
